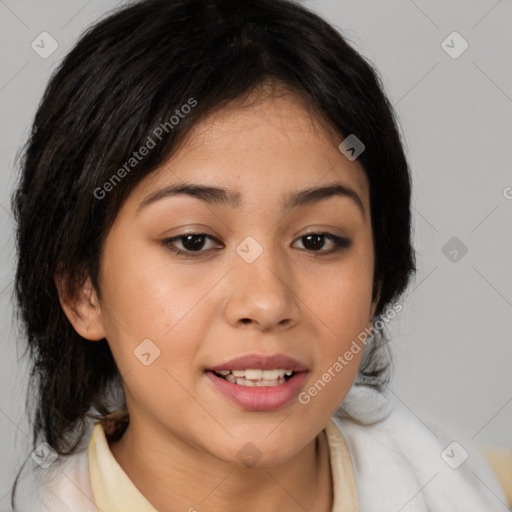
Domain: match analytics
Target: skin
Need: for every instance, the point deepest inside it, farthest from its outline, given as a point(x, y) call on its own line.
point(180, 449)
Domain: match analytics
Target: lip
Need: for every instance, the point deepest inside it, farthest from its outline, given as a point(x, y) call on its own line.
point(265, 398)
point(261, 362)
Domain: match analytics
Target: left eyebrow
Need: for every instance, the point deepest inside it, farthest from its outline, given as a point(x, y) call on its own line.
point(316, 194)
point(223, 196)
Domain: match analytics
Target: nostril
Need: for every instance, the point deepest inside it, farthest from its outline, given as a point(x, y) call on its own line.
point(246, 320)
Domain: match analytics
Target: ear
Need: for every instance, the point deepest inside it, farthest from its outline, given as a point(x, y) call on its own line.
point(81, 307)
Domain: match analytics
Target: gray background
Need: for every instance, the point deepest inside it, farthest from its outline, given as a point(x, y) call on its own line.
point(452, 341)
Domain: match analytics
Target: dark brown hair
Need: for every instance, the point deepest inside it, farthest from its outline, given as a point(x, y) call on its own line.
point(127, 75)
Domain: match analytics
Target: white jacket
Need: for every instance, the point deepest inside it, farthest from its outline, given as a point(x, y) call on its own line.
point(399, 464)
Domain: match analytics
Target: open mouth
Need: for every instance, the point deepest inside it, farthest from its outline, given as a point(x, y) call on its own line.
point(258, 389)
point(256, 377)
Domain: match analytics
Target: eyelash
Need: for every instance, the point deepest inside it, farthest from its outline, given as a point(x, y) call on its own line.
point(340, 243)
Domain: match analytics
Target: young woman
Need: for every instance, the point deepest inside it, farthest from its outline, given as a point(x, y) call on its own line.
point(214, 226)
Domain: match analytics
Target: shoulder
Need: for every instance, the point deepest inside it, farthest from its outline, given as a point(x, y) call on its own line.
point(403, 460)
point(62, 487)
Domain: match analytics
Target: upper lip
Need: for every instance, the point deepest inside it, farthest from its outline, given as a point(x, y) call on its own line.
point(261, 362)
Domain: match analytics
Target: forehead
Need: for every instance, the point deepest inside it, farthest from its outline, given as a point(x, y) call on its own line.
point(266, 144)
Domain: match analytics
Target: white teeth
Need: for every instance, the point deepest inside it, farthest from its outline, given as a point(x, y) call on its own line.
point(245, 382)
point(255, 377)
point(259, 383)
point(256, 374)
point(252, 374)
point(272, 374)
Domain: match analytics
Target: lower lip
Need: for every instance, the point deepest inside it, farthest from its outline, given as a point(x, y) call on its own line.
point(264, 398)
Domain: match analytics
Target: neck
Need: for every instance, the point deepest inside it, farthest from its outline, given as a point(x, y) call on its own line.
point(173, 475)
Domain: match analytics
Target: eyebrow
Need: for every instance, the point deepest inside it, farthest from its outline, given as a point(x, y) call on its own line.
point(223, 196)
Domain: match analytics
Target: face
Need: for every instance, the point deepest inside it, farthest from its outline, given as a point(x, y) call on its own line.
point(192, 280)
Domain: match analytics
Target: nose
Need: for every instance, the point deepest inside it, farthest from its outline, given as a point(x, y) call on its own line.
point(261, 293)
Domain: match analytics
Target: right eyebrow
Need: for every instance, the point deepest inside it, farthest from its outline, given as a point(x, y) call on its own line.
point(205, 193)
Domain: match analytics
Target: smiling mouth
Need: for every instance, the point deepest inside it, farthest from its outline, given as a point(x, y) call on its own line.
point(256, 377)
point(273, 385)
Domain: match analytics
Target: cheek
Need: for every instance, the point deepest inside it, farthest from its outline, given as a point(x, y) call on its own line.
point(341, 297)
point(158, 317)
point(146, 293)
point(341, 303)
point(341, 310)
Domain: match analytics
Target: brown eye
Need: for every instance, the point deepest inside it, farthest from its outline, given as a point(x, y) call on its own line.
point(315, 242)
point(192, 244)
